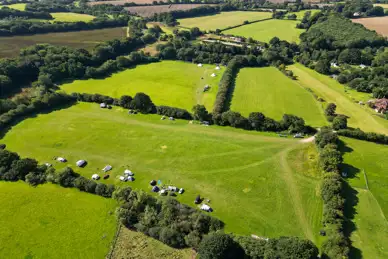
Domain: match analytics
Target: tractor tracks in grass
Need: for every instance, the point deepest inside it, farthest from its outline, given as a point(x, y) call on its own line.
point(288, 176)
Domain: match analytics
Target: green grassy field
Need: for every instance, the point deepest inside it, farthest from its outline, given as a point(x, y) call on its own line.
point(11, 46)
point(223, 20)
point(172, 83)
point(249, 177)
point(266, 30)
point(136, 245)
point(371, 234)
point(72, 17)
point(53, 222)
point(269, 91)
point(385, 6)
point(346, 100)
point(20, 7)
point(300, 14)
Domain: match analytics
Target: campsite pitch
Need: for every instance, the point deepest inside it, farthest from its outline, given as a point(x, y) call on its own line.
point(238, 171)
point(268, 91)
point(172, 83)
point(266, 30)
point(366, 165)
point(49, 221)
point(223, 20)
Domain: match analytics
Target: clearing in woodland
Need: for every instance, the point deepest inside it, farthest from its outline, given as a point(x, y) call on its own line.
point(264, 31)
point(238, 171)
point(172, 83)
point(49, 221)
point(366, 165)
point(360, 116)
point(223, 20)
point(11, 46)
point(268, 91)
point(72, 17)
point(20, 7)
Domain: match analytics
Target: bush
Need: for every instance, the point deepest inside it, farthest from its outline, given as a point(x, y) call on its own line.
point(173, 112)
point(142, 103)
point(340, 122)
point(367, 136)
point(219, 246)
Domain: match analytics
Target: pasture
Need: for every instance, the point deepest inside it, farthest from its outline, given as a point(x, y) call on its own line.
point(20, 7)
point(300, 14)
point(53, 222)
point(135, 245)
point(150, 10)
point(267, 90)
point(11, 46)
point(121, 2)
point(72, 17)
point(377, 24)
point(264, 31)
point(360, 116)
point(371, 234)
point(249, 177)
point(223, 20)
point(171, 83)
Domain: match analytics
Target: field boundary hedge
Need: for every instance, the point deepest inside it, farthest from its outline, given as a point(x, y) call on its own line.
point(366, 136)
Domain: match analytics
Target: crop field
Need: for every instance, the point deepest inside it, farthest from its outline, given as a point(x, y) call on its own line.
point(148, 11)
point(377, 24)
point(249, 177)
point(20, 7)
point(11, 46)
point(267, 90)
point(346, 100)
point(136, 245)
point(366, 167)
point(171, 83)
point(223, 20)
point(53, 222)
point(266, 30)
point(122, 2)
point(72, 17)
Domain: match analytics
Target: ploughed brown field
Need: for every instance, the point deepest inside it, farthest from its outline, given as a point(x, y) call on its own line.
point(147, 11)
point(378, 24)
point(122, 2)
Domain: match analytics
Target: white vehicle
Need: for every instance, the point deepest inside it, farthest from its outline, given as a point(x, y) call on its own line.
point(95, 177)
point(107, 168)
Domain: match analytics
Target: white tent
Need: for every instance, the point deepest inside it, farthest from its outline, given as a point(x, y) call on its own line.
point(199, 65)
point(217, 68)
point(80, 163)
point(130, 178)
point(206, 207)
point(122, 178)
point(102, 105)
point(107, 168)
point(128, 172)
point(213, 75)
point(61, 159)
point(95, 177)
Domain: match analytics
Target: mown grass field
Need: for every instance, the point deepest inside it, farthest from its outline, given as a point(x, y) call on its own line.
point(11, 46)
point(223, 20)
point(136, 245)
point(249, 177)
point(360, 116)
point(72, 17)
point(268, 91)
point(172, 83)
point(53, 222)
point(266, 30)
point(20, 7)
point(300, 14)
point(371, 211)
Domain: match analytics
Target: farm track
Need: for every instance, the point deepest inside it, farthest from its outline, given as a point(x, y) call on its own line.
point(295, 197)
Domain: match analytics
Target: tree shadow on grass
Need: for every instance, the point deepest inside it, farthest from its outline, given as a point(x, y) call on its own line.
point(351, 199)
point(17, 120)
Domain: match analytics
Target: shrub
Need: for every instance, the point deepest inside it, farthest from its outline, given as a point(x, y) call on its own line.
point(219, 246)
point(340, 122)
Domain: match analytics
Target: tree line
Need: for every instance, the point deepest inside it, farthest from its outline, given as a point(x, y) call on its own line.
point(337, 244)
point(6, 12)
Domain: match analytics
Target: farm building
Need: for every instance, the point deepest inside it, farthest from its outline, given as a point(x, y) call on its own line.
point(381, 105)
